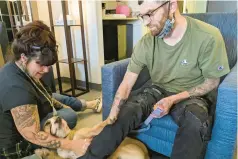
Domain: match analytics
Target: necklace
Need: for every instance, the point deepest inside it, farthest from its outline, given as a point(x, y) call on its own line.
point(46, 94)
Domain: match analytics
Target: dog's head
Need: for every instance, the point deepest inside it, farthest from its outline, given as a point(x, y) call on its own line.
point(57, 126)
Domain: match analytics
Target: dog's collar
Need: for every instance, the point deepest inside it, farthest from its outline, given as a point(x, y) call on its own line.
point(70, 136)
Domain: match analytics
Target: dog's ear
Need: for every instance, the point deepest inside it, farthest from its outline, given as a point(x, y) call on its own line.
point(47, 126)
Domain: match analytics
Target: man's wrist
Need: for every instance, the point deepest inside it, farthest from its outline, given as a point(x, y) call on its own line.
point(179, 97)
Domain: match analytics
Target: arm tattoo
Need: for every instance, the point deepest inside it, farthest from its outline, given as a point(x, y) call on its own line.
point(204, 88)
point(45, 140)
point(27, 121)
point(26, 116)
point(118, 101)
point(117, 104)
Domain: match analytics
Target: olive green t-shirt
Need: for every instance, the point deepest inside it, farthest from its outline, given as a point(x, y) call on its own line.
point(200, 54)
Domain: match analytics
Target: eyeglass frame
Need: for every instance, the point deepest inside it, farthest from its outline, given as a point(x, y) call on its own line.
point(151, 13)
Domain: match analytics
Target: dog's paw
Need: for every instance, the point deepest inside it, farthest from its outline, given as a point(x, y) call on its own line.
point(42, 153)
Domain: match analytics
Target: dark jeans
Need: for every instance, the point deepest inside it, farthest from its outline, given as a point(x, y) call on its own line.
point(191, 115)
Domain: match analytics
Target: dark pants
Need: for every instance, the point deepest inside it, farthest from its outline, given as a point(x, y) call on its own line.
point(191, 116)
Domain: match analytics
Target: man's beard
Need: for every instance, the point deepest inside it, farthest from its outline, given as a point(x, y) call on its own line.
point(158, 28)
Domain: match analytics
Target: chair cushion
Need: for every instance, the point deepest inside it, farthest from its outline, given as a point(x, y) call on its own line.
point(160, 137)
point(165, 122)
point(161, 146)
point(163, 128)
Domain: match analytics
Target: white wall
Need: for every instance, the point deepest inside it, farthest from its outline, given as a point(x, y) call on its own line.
point(195, 6)
point(93, 36)
point(94, 33)
point(138, 29)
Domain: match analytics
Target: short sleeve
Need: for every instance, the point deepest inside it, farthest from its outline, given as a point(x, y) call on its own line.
point(213, 60)
point(138, 57)
point(17, 96)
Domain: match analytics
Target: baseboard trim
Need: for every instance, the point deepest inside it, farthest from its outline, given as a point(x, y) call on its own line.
point(95, 86)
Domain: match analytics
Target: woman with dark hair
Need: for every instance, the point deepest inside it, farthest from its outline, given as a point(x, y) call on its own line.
point(25, 102)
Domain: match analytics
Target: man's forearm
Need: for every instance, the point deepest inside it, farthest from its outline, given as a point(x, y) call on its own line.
point(207, 86)
point(119, 100)
point(122, 94)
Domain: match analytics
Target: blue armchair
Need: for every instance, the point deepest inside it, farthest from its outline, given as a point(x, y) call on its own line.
point(160, 136)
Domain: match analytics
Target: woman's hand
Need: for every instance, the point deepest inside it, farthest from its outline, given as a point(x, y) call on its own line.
point(80, 146)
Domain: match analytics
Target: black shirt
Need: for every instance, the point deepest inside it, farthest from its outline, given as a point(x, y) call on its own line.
point(16, 89)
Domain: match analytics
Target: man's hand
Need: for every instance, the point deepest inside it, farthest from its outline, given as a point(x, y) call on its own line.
point(113, 115)
point(165, 104)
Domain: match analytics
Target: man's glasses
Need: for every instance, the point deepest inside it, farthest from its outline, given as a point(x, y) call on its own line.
point(146, 18)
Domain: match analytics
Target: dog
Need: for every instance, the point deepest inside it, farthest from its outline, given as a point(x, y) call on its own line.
point(56, 126)
point(130, 149)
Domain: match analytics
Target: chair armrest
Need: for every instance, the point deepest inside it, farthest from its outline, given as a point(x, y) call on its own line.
point(225, 128)
point(112, 76)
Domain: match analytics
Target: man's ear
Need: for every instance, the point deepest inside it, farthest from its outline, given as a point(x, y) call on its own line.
point(173, 6)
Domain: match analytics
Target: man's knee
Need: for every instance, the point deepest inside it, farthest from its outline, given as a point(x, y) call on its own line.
point(198, 120)
point(196, 112)
point(130, 113)
point(127, 111)
point(195, 109)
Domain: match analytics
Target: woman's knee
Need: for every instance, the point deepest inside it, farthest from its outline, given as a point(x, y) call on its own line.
point(70, 116)
point(72, 121)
